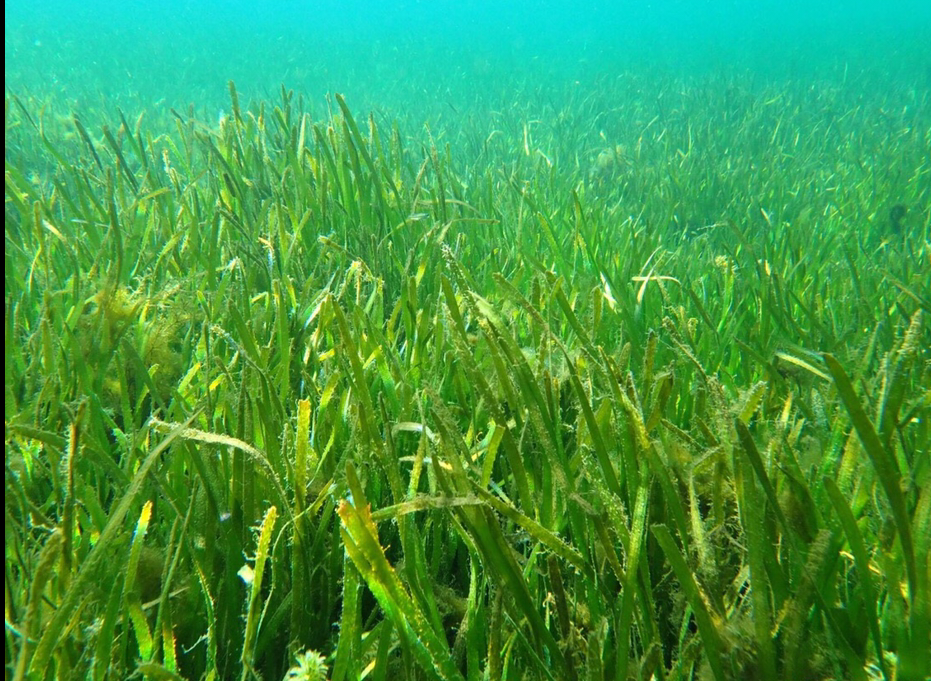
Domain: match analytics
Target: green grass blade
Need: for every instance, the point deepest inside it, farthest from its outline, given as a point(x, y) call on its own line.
point(883, 462)
point(759, 552)
point(132, 595)
point(707, 620)
point(862, 560)
point(361, 540)
point(256, 578)
point(54, 629)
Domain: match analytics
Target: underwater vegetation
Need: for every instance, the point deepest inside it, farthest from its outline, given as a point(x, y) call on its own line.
point(896, 216)
point(314, 394)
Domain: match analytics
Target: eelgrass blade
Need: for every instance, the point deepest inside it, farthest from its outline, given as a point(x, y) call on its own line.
point(705, 618)
point(360, 538)
point(103, 652)
point(54, 629)
point(196, 435)
point(883, 462)
point(67, 555)
point(253, 614)
point(896, 380)
point(752, 455)
point(123, 166)
point(601, 450)
point(347, 661)
point(461, 345)
point(497, 554)
point(363, 151)
point(553, 542)
point(132, 596)
point(796, 623)
point(759, 550)
point(634, 548)
point(153, 670)
point(82, 131)
point(862, 560)
point(45, 570)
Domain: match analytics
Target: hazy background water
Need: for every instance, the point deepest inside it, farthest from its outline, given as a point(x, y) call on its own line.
point(419, 56)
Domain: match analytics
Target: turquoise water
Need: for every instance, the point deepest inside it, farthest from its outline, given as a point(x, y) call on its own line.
point(431, 59)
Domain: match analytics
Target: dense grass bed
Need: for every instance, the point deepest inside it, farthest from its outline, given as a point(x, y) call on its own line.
point(628, 381)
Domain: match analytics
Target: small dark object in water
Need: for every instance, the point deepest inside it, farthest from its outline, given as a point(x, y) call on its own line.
point(896, 215)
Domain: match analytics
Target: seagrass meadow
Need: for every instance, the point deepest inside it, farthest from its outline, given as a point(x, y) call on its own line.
point(622, 378)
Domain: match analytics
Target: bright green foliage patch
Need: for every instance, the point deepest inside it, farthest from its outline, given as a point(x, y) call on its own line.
point(300, 395)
